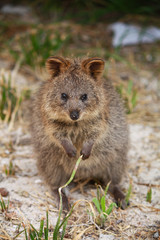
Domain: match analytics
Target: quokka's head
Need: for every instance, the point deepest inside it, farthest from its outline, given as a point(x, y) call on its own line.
point(74, 89)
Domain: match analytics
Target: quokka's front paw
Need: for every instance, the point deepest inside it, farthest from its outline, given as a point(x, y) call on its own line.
point(71, 152)
point(69, 148)
point(86, 150)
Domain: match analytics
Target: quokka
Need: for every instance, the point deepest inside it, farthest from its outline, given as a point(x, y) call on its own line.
point(76, 111)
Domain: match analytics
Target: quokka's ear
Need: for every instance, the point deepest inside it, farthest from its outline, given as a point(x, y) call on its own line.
point(56, 65)
point(94, 67)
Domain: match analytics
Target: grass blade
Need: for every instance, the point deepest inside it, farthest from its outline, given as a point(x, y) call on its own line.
point(34, 229)
point(96, 202)
point(130, 86)
point(31, 236)
point(19, 234)
point(103, 203)
point(110, 208)
point(106, 189)
point(149, 195)
point(128, 193)
point(45, 233)
point(41, 228)
point(66, 218)
point(46, 228)
point(64, 229)
point(26, 234)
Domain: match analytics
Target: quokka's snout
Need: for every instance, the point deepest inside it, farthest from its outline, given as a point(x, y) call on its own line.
point(74, 115)
point(75, 106)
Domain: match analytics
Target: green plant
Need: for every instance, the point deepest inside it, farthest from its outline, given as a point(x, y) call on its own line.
point(34, 234)
point(4, 206)
point(9, 169)
point(100, 203)
point(149, 195)
point(10, 100)
point(37, 46)
point(129, 94)
point(128, 194)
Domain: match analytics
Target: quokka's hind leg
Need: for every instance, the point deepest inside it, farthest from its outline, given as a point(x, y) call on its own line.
point(118, 195)
point(114, 173)
point(115, 190)
point(58, 178)
point(65, 202)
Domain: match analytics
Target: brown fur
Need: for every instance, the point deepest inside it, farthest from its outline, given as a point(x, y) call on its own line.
point(100, 132)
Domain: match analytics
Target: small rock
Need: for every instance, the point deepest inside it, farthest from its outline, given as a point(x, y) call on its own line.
point(106, 237)
point(10, 9)
point(156, 235)
point(7, 151)
point(24, 194)
point(124, 76)
point(38, 181)
point(119, 221)
point(4, 192)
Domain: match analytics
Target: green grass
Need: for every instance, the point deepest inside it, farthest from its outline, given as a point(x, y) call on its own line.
point(129, 95)
point(3, 206)
point(34, 234)
point(100, 204)
point(128, 193)
point(149, 195)
point(10, 101)
point(8, 98)
point(34, 48)
point(9, 169)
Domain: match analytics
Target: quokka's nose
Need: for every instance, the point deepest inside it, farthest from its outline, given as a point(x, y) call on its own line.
point(74, 115)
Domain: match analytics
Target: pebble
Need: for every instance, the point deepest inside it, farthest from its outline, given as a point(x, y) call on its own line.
point(106, 237)
point(4, 192)
point(38, 181)
point(156, 235)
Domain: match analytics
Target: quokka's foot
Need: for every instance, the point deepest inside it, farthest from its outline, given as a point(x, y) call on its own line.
point(119, 197)
point(65, 202)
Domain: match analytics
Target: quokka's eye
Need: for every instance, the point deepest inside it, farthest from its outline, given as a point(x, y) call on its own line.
point(84, 97)
point(64, 96)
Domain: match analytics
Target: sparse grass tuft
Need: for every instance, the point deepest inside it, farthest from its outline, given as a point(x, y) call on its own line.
point(100, 203)
point(3, 205)
point(37, 46)
point(10, 100)
point(129, 94)
point(9, 169)
point(33, 234)
point(149, 195)
point(128, 193)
